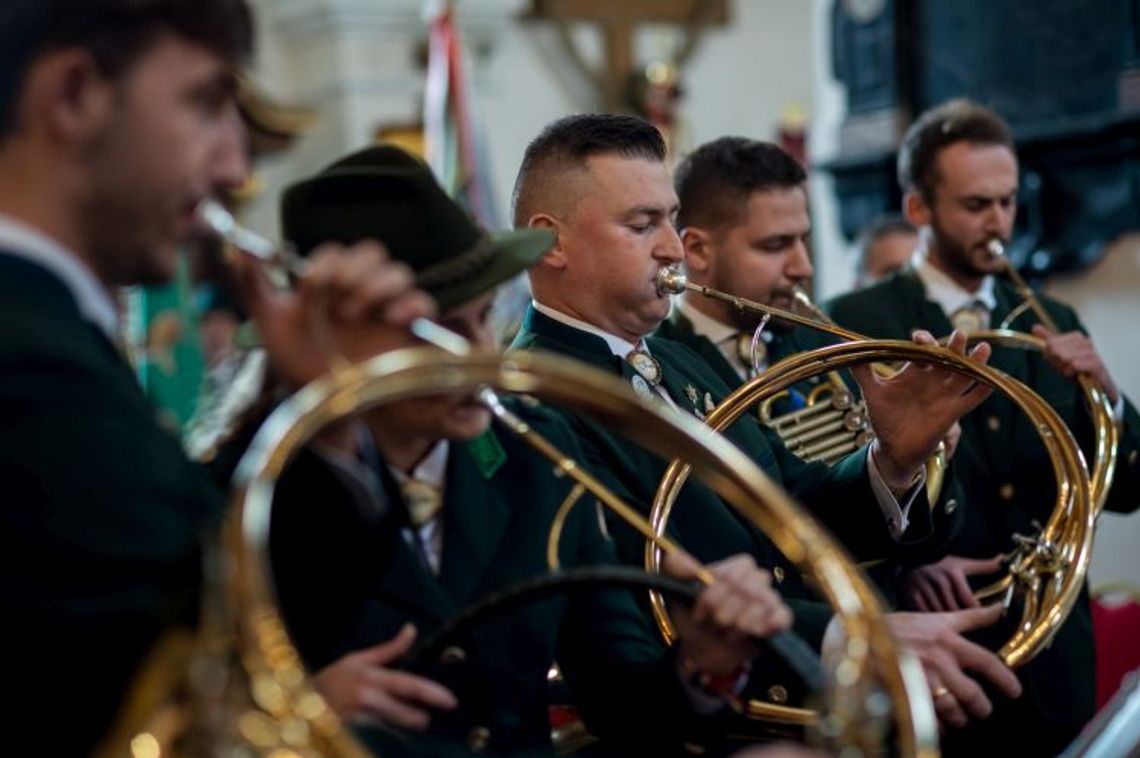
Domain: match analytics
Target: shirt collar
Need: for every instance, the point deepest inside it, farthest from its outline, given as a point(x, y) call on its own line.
point(707, 326)
point(431, 470)
point(618, 346)
point(92, 298)
point(947, 293)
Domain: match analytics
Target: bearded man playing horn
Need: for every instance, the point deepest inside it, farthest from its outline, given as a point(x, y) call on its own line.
point(746, 231)
point(959, 172)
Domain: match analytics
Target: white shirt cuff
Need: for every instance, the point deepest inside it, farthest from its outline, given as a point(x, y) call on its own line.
point(893, 511)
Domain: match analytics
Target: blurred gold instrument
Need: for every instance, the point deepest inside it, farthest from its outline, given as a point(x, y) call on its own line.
point(247, 689)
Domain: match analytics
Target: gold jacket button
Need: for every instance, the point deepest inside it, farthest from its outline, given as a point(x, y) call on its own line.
point(778, 694)
point(453, 654)
point(478, 738)
point(993, 423)
point(778, 573)
point(1006, 491)
point(951, 506)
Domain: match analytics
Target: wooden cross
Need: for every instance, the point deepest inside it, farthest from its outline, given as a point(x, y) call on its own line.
point(618, 20)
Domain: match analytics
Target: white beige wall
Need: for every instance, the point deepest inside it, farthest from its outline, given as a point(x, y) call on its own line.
point(354, 60)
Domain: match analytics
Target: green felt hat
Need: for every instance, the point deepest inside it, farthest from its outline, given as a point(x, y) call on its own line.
point(386, 194)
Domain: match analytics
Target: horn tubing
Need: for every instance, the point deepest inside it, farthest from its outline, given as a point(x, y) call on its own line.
point(414, 371)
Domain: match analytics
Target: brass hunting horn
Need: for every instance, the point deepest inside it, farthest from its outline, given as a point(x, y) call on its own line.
point(1049, 570)
point(404, 374)
point(238, 687)
point(1106, 431)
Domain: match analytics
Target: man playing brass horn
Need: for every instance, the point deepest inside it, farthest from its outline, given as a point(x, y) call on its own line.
point(959, 172)
point(424, 508)
point(600, 184)
point(746, 230)
point(116, 118)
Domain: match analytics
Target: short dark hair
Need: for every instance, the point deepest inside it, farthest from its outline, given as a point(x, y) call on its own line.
point(883, 226)
point(569, 141)
point(714, 181)
point(958, 120)
point(116, 32)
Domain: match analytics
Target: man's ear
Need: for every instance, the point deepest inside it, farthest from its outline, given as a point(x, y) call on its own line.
point(916, 210)
point(555, 257)
point(68, 96)
point(700, 252)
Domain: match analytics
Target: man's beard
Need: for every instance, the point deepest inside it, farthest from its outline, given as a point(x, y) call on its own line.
point(746, 320)
point(954, 255)
point(124, 220)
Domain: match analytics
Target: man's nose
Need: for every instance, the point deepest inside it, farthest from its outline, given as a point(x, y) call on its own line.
point(669, 247)
point(799, 266)
point(999, 219)
point(230, 167)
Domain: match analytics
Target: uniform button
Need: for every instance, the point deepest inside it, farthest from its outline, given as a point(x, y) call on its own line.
point(694, 749)
point(778, 694)
point(1006, 491)
point(778, 572)
point(478, 738)
point(951, 506)
point(993, 423)
point(453, 654)
point(1132, 458)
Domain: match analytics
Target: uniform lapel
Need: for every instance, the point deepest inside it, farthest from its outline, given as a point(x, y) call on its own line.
point(476, 517)
point(924, 312)
point(544, 333)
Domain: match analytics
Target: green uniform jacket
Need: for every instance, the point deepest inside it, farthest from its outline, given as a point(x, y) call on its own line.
point(499, 502)
point(840, 496)
point(102, 515)
point(1004, 471)
point(945, 518)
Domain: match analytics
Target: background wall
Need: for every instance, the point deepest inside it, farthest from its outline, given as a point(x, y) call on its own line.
point(356, 62)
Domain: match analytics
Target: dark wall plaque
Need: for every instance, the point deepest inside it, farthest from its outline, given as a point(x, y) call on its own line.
point(1064, 73)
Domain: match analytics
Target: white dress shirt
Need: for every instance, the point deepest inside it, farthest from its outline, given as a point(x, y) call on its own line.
point(949, 295)
point(428, 538)
point(724, 337)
